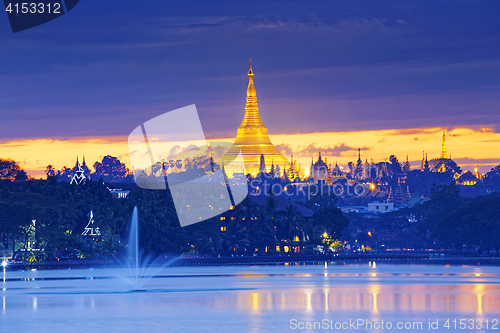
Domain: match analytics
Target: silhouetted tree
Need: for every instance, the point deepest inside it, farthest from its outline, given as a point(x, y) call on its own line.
point(10, 170)
point(331, 220)
point(492, 179)
point(111, 169)
point(394, 166)
point(476, 224)
point(443, 200)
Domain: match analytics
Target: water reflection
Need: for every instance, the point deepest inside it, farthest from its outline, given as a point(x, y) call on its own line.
point(374, 298)
point(260, 299)
point(374, 291)
point(371, 297)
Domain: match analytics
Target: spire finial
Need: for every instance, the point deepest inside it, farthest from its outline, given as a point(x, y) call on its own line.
point(250, 71)
point(251, 93)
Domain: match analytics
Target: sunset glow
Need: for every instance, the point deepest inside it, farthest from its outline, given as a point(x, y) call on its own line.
point(467, 146)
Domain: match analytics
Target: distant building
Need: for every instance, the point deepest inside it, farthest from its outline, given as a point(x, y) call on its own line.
point(319, 171)
point(381, 207)
point(80, 175)
point(119, 193)
point(91, 229)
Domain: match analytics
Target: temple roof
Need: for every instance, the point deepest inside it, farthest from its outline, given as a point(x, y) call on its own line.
point(320, 162)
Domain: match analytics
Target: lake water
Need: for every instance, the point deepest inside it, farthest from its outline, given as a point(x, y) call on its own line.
point(340, 298)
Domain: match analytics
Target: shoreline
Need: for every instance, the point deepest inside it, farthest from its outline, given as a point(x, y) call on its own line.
point(335, 259)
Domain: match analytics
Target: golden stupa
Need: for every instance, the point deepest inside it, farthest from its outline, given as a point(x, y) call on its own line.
point(252, 140)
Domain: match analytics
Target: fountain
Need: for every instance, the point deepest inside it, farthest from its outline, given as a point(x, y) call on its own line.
point(138, 269)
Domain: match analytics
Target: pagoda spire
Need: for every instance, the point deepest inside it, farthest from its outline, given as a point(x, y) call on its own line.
point(212, 164)
point(406, 167)
point(262, 167)
point(444, 153)
point(311, 173)
point(252, 117)
point(252, 139)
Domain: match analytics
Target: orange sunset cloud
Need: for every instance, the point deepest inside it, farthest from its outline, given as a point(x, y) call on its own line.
point(467, 146)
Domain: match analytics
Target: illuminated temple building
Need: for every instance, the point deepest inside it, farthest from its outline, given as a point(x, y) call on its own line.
point(444, 154)
point(253, 141)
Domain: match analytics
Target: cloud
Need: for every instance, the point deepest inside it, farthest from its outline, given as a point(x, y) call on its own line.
point(285, 149)
point(480, 161)
point(191, 147)
point(411, 131)
point(218, 151)
point(174, 150)
point(313, 149)
point(203, 24)
point(319, 67)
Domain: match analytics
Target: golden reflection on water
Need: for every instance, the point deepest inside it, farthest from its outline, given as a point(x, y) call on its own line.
point(375, 298)
point(255, 301)
point(325, 297)
point(479, 290)
point(374, 291)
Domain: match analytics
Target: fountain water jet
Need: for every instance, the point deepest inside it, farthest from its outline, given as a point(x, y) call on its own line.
point(138, 269)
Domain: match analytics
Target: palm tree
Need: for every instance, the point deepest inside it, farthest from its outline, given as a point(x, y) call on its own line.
point(50, 171)
point(290, 225)
point(234, 239)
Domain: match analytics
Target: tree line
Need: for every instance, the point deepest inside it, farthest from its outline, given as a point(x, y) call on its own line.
point(50, 217)
point(447, 220)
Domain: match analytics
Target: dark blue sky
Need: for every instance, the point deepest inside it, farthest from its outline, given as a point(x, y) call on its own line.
point(107, 66)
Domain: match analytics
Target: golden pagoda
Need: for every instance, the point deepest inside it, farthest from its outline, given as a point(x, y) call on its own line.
point(444, 152)
point(252, 139)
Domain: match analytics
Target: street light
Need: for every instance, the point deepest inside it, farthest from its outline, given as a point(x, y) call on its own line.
point(4, 265)
point(326, 242)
